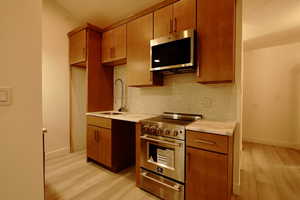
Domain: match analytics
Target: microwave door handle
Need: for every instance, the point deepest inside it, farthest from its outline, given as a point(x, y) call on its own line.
point(176, 187)
point(159, 141)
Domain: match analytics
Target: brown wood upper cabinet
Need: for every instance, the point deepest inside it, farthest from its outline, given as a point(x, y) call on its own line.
point(163, 21)
point(139, 34)
point(77, 45)
point(175, 17)
point(184, 15)
point(216, 40)
point(114, 46)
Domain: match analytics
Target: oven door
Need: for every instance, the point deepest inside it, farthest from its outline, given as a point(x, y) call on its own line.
point(163, 155)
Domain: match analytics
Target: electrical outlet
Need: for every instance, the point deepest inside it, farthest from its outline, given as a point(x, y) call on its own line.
point(206, 102)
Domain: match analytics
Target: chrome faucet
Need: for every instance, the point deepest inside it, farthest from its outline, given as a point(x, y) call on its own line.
point(122, 108)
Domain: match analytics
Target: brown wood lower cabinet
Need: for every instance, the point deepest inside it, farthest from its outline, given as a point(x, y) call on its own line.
point(208, 172)
point(111, 145)
point(206, 175)
point(92, 143)
point(99, 143)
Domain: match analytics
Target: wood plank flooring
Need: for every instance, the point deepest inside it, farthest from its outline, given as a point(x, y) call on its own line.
point(268, 173)
point(71, 177)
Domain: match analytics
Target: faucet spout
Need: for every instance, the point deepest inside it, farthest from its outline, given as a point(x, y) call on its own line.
point(122, 108)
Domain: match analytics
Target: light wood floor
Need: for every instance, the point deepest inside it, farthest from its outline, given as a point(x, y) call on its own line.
point(268, 173)
point(71, 177)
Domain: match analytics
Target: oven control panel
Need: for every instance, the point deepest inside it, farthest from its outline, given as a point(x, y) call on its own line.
point(164, 130)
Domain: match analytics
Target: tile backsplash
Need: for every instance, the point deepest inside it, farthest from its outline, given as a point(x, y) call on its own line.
point(180, 93)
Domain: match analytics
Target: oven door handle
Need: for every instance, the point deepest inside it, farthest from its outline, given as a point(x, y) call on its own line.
point(160, 141)
point(176, 187)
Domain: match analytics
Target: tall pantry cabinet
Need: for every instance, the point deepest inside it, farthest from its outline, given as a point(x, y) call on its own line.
point(91, 84)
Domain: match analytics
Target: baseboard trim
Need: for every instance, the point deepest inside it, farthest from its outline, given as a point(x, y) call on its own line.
point(57, 152)
point(272, 142)
point(236, 189)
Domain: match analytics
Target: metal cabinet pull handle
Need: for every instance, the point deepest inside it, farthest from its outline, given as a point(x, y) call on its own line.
point(176, 187)
point(98, 138)
point(175, 24)
point(205, 142)
point(171, 26)
point(188, 160)
point(159, 141)
point(84, 53)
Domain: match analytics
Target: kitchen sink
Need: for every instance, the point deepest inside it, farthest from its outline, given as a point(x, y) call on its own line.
point(112, 113)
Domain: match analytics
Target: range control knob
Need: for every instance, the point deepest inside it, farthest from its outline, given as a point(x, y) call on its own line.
point(167, 132)
point(176, 133)
point(145, 128)
point(159, 131)
point(153, 130)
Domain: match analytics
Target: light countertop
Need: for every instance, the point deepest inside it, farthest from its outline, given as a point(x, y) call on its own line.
point(206, 126)
point(215, 127)
point(125, 116)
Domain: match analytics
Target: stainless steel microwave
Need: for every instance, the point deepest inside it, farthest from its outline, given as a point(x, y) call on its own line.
point(175, 51)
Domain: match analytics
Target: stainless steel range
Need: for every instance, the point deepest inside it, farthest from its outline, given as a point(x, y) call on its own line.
point(163, 154)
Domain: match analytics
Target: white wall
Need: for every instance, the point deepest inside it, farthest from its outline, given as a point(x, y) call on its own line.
point(21, 156)
point(272, 94)
point(239, 95)
point(56, 75)
point(78, 108)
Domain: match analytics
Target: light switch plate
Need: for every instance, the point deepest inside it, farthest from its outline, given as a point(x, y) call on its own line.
point(5, 96)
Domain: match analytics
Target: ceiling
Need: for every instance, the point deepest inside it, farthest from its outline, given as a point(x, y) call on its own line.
point(262, 17)
point(104, 12)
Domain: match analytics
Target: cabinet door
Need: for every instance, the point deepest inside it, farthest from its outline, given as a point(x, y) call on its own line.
point(184, 15)
point(163, 21)
point(92, 142)
point(107, 46)
point(206, 175)
point(139, 34)
point(119, 47)
point(114, 44)
point(216, 36)
point(78, 47)
point(104, 150)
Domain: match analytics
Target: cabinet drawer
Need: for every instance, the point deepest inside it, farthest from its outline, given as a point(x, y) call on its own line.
point(211, 142)
point(99, 121)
